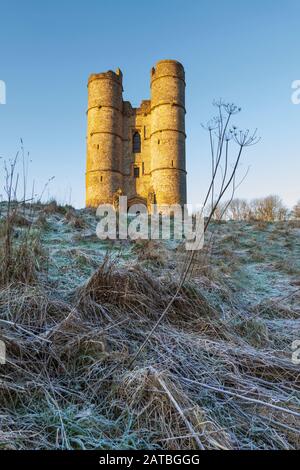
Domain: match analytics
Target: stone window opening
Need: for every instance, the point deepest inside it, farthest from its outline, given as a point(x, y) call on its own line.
point(136, 142)
point(172, 163)
point(101, 178)
point(136, 171)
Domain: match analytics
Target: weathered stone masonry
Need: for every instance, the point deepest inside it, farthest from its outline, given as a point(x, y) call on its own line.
point(137, 152)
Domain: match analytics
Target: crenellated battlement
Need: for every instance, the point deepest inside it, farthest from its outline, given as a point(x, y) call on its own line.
point(144, 108)
point(109, 75)
point(165, 68)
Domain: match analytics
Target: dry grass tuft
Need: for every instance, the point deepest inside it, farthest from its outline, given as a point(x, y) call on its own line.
point(19, 220)
point(21, 260)
point(75, 220)
point(53, 207)
point(151, 251)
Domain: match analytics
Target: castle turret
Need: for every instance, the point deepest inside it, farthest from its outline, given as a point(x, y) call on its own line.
point(168, 170)
point(138, 152)
point(104, 137)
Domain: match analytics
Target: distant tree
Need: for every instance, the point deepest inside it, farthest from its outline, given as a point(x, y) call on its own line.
point(239, 209)
point(296, 211)
point(220, 211)
point(269, 209)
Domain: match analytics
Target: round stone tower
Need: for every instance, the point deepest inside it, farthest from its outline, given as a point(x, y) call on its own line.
point(168, 170)
point(104, 137)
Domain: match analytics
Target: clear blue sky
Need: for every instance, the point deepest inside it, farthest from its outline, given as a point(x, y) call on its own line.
point(243, 51)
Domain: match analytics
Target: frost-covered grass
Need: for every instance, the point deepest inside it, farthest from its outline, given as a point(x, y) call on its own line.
point(216, 373)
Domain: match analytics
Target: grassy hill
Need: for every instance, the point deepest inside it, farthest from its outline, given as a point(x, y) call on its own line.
point(217, 373)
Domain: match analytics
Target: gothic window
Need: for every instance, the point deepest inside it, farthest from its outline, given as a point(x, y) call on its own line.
point(136, 142)
point(136, 172)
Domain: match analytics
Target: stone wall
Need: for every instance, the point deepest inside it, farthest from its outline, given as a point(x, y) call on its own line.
point(104, 137)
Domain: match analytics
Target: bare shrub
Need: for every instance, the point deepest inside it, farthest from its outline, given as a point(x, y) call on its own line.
point(296, 211)
point(268, 209)
point(21, 252)
point(239, 209)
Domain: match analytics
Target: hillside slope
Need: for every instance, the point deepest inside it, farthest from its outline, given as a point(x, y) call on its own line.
point(216, 374)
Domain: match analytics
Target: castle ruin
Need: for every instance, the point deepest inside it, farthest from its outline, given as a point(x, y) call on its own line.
point(137, 152)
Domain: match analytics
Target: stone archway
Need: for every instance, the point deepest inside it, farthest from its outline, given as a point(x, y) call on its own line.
point(136, 200)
